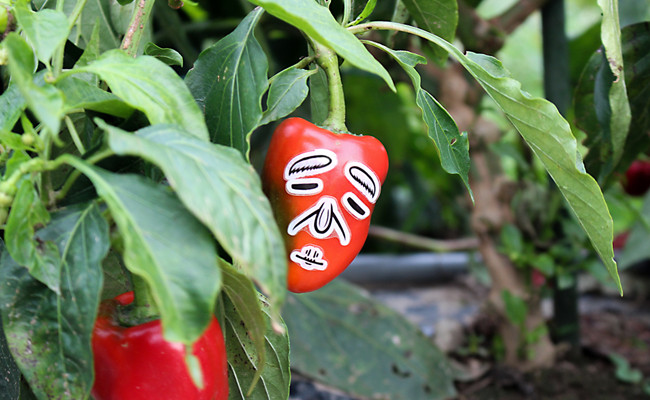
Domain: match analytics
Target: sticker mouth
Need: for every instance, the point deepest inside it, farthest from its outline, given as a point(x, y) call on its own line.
point(309, 258)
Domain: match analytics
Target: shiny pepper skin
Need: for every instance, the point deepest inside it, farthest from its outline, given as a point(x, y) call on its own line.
point(136, 363)
point(323, 188)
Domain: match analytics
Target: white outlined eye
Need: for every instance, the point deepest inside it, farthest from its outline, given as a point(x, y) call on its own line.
point(304, 186)
point(355, 206)
point(364, 179)
point(310, 163)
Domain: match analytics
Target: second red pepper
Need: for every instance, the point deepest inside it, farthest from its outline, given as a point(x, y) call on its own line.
point(135, 363)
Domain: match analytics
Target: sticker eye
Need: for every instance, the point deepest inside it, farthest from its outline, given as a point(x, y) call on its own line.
point(355, 206)
point(364, 179)
point(304, 187)
point(310, 163)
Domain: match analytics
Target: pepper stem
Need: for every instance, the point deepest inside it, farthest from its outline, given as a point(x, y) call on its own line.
point(135, 31)
point(326, 58)
point(145, 306)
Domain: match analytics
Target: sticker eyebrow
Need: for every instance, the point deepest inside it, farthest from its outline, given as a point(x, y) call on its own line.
point(310, 163)
point(364, 179)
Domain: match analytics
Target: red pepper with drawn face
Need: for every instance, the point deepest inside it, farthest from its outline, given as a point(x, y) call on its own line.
point(323, 187)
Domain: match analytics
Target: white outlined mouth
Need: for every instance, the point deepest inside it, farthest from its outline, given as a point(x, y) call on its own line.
point(310, 163)
point(364, 179)
point(309, 258)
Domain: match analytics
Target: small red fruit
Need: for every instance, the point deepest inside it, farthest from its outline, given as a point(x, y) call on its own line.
point(637, 178)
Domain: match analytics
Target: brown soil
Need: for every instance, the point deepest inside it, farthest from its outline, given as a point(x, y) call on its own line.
point(591, 376)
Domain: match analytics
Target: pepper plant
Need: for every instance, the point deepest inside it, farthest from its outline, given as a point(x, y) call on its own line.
point(120, 173)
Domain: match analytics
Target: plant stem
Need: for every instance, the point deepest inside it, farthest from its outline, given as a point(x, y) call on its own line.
point(327, 59)
point(421, 242)
point(74, 135)
point(95, 158)
point(145, 306)
point(76, 12)
point(141, 14)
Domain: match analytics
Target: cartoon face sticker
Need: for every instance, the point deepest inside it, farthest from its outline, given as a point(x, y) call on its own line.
point(306, 175)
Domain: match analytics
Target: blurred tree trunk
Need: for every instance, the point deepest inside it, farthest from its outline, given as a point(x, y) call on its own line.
point(492, 209)
point(492, 191)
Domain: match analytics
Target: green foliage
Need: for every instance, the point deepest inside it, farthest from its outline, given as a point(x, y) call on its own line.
point(116, 169)
point(232, 104)
point(246, 367)
point(452, 145)
point(319, 25)
point(165, 245)
point(199, 171)
point(56, 357)
point(346, 339)
point(593, 110)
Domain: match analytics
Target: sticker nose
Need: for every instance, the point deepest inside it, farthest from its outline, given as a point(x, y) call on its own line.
point(322, 220)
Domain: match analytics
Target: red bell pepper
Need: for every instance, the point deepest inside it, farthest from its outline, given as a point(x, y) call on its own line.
point(137, 363)
point(323, 187)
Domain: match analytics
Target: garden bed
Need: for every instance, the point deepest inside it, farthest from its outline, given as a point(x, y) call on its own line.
point(449, 311)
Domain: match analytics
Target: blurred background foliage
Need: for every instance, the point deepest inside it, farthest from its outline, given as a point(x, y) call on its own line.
point(418, 196)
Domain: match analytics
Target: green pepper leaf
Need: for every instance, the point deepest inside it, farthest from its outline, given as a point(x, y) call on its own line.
point(619, 118)
point(168, 56)
point(46, 102)
point(41, 259)
point(549, 136)
point(12, 104)
point(10, 382)
point(222, 191)
point(318, 96)
point(243, 362)
point(344, 338)
point(452, 145)
point(81, 94)
point(319, 24)
point(287, 92)
point(152, 87)
point(439, 17)
point(592, 99)
point(95, 16)
point(228, 81)
point(551, 140)
point(365, 13)
point(165, 245)
point(49, 334)
point(46, 30)
point(245, 300)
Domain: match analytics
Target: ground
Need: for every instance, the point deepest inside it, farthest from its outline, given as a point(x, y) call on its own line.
point(610, 325)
